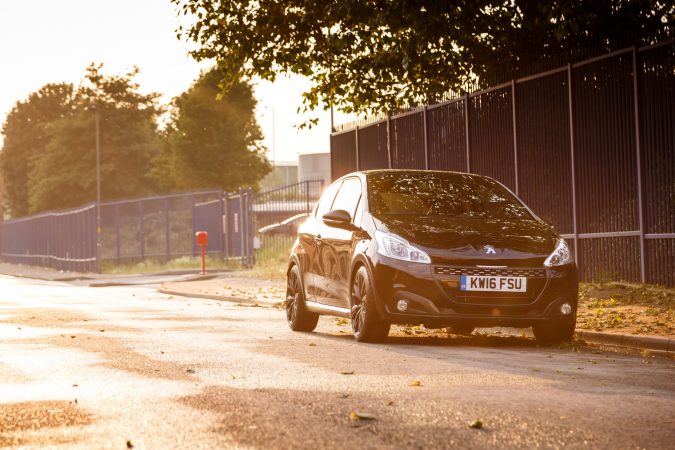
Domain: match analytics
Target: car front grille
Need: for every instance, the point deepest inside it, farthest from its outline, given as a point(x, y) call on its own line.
point(489, 271)
point(449, 278)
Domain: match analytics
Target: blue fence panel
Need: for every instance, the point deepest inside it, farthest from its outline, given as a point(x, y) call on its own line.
point(150, 227)
point(64, 240)
point(208, 216)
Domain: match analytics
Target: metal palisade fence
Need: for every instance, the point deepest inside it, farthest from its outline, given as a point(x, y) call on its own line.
point(589, 146)
point(158, 227)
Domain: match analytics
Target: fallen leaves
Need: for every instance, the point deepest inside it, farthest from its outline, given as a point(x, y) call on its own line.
point(354, 415)
point(476, 424)
point(415, 383)
point(347, 372)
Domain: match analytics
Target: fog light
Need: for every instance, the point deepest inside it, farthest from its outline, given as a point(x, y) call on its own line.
point(566, 309)
point(402, 305)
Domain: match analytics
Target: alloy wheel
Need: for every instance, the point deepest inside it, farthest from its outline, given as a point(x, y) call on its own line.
point(359, 303)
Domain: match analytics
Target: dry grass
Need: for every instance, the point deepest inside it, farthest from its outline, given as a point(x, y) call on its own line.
point(185, 262)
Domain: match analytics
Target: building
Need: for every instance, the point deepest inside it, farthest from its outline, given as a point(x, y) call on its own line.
point(314, 166)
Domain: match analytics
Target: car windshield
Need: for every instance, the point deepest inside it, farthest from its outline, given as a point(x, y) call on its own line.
point(441, 194)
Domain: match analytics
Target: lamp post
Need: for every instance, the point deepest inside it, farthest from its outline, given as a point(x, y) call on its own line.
point(98, 190)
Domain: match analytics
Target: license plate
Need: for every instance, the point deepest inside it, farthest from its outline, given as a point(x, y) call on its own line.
point(492, 284)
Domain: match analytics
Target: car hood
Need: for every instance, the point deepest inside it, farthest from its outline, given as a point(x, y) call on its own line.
point(462, 238)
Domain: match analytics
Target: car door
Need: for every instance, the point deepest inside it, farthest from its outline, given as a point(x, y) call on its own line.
point(336, 247)
point(309, 235)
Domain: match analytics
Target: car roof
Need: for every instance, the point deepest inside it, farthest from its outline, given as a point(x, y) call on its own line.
point(367, 173)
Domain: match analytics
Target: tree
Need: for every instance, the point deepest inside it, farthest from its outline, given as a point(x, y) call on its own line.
point(64, 173)
point(26, 134)
point(48, 156)
point(379, 55)
point(213, 139)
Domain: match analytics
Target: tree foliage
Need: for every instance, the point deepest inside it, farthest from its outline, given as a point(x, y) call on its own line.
point(48, 160)
point(379, 55)
point(26, 134)
point(49, 154)
point(212, 140)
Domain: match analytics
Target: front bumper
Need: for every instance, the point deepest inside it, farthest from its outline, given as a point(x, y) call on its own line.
point(434, 299)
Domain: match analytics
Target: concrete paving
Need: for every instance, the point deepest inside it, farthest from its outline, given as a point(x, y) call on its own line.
point(127, 367)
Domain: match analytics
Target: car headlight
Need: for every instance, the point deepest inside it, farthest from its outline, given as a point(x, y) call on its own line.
point(395, 247)
point(560, 256)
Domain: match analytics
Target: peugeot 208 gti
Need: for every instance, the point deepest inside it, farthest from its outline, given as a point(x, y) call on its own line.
point(441, 249)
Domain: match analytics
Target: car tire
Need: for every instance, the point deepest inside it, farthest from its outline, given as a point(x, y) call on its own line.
point(553, 332)
point(297, 315)
point(463, 329)
point(366, 322)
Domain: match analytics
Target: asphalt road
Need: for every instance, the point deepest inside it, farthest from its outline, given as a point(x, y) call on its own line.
point(113, 367)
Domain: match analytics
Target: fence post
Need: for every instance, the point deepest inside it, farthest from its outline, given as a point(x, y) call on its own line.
point(140, 203)
point(356, 134)
point(226, 222)
point(466, 132)
point(251, 232)
point(167, 227)
point(573, 159)
point(515, 134)
point(638, 158)
point(426, 139)
point(307, 196)
point(223, 225)
point(117, 232)
point(241, 227)
point(194, 244)
point(389, 141)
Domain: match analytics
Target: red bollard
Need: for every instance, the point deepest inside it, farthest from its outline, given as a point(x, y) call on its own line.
point(202, 238)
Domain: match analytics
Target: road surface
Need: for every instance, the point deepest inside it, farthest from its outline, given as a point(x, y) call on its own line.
point(118, 367)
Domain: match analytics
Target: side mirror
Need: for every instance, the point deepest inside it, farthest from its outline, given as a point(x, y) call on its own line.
point(338, 218)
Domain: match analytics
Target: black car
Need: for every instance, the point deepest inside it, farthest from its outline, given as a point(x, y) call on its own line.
point(442, 249)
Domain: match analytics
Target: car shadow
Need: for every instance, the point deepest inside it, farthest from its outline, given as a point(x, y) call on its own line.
point(443, 340)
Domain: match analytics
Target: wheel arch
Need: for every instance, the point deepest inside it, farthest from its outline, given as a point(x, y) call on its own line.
point(359, 261)
point(294, 261)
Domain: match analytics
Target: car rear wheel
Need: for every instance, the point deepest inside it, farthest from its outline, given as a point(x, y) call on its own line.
point(554, 331)
point(366, 322)
point(299, 319)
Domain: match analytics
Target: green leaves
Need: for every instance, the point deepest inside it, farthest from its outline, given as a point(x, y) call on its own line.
point(374, 57)
point(48, 159)
point(213, 139)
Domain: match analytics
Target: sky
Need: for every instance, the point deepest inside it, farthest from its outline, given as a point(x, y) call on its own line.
point(50, 41)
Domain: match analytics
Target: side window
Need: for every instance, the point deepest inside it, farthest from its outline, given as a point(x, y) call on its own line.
point(327, 200)
point(348, 196)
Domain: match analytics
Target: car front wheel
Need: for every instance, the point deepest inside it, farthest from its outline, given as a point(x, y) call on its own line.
point(366, 322)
